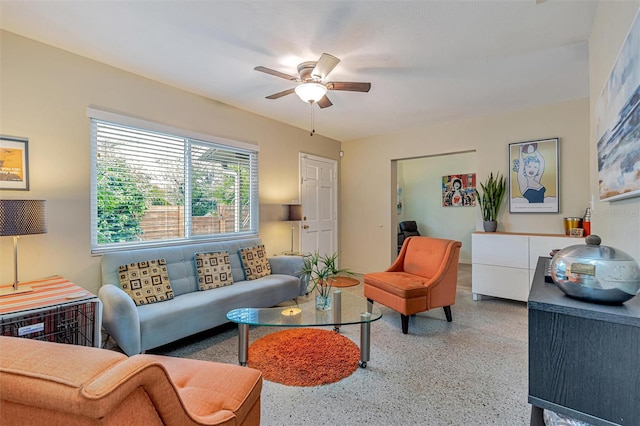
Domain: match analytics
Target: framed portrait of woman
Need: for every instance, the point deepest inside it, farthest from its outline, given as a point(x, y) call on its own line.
point(533, 177)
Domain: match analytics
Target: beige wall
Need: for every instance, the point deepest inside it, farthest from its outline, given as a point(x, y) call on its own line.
point(45, 95)
point(368, 181)
point(618, 222)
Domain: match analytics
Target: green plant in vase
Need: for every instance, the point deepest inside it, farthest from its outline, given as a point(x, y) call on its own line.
point(493, 190)
point(321, 272)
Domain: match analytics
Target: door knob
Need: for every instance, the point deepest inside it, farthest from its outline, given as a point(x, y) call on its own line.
point(305, 226)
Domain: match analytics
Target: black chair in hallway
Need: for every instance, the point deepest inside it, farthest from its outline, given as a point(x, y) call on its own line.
point(408, 228)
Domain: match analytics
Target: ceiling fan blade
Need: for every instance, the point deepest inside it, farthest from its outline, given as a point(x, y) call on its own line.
point(324, 102)
point(350, 86)
point(324, 66)
point(276, 73)
point(281, 94)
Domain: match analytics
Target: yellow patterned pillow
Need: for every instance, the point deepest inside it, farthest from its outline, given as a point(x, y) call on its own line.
point(255, 262)
point(214, 270)
point(146, 282)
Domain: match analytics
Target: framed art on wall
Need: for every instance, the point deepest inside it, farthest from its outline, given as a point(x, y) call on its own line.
point(14, 163)
point(533, 177)
point(617, 116)
point(459, 190)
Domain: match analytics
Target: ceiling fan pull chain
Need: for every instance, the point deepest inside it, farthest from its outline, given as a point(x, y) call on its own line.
point(313, 130)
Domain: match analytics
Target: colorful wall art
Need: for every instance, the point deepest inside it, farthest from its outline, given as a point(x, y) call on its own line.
point(459, 190)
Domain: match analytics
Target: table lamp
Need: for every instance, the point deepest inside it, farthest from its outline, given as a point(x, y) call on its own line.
point(21, 217)
point(293, 213)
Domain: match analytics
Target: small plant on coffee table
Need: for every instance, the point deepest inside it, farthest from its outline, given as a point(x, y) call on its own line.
point(321, 271)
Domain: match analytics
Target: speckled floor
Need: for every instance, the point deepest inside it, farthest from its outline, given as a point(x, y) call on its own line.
point(472, 371)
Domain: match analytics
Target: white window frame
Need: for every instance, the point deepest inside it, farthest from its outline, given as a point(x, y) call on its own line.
point(95, 113)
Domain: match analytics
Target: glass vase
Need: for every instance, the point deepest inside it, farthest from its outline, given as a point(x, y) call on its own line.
point(323, 303)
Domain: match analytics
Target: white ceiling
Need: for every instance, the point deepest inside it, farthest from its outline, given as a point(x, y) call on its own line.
point(427, 61)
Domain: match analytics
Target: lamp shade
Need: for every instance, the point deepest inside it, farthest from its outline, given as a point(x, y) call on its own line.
point(293, 212)
point(22, 217)
point(310, 92)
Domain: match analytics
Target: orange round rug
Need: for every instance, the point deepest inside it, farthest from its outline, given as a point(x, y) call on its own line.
point(304, 357)
point(345, 282)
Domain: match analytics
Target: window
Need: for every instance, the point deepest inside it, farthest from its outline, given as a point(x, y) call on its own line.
point(153, 187)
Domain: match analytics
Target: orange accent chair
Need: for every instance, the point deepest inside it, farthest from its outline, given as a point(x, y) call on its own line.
point(56, 384)
point(423, 277)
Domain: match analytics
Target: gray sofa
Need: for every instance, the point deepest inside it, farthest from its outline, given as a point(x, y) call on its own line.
point(139, 328)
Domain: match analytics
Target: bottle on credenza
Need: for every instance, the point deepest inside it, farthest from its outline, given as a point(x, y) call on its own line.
point(586, 222)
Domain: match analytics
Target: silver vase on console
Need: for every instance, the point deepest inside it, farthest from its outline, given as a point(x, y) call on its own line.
point(596, 273)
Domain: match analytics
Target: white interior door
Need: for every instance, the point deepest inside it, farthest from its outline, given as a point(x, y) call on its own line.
point(319, 177)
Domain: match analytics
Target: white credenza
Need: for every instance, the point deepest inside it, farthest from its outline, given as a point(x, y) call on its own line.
point(503, 264)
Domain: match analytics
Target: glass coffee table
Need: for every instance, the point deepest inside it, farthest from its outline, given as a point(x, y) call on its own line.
point(346, 309)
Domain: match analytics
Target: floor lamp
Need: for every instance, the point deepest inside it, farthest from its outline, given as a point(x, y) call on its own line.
point(21, 217)
point(293, 213)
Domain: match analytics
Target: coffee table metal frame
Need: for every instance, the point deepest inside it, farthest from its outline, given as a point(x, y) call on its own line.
point(347, 308)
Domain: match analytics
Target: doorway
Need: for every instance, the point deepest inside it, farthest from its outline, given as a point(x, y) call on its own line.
point(319, 188)
point(418, 197)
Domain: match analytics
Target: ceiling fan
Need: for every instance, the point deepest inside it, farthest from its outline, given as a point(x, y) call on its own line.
point(311, 74)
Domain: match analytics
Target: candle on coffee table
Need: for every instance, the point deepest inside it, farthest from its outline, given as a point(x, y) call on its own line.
point(291, 315)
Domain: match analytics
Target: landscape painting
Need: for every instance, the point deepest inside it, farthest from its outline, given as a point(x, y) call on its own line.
point(617, 113)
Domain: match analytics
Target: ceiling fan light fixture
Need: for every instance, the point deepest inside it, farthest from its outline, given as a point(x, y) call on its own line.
point(310, 92)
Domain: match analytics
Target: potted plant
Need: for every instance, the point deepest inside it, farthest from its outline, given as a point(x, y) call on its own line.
point(493, 190)
point(321, 271)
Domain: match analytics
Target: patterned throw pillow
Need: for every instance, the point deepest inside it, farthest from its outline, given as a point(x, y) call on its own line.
point(214, 270)
point(255, 262)
point(146, 282)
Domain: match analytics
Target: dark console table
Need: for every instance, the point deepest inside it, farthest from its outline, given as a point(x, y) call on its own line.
point(584, 358)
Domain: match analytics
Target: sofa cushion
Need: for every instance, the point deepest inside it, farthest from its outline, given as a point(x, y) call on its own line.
point(255, 262)
point(213, 269)
point(205, 386)
point(146, 282)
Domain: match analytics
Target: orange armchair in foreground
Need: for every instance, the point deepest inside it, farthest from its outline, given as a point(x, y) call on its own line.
point(56, 384)
point(423, 277)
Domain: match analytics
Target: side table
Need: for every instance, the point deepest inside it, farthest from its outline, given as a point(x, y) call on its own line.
point(57, 310)
point(582, 357)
